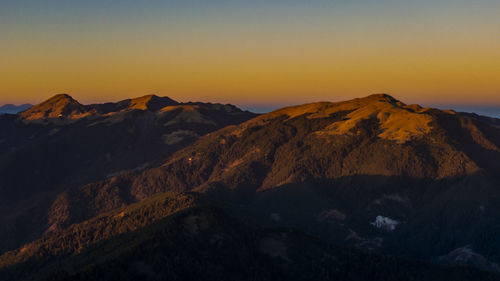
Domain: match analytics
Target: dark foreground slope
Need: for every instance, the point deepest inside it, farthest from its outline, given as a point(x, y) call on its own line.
point(61, 143)
point(204, 243)
point(77, 237)
point(372, 173)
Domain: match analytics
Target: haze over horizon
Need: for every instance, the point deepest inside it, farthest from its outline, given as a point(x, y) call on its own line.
point(256, 54)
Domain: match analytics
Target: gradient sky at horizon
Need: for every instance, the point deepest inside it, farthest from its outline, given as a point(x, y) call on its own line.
point(255, 53)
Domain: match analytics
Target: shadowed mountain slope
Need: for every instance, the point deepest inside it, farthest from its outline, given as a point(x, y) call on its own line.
point(204, 243)
point(61, 143)
point(77, 237)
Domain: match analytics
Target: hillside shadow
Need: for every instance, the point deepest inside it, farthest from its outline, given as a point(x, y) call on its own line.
point(436, 216)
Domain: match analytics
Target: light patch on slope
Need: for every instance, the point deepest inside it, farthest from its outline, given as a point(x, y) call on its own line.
point(361, 242)
point(182, 107)
point(385, 223)
point(190, 116)
point(140, 103)
point(178, 136)
point(391, 198)
point(111, 118)
point(241, 160)
point(478, 135)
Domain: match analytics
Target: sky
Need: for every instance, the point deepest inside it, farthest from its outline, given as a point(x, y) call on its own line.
point(251, 53)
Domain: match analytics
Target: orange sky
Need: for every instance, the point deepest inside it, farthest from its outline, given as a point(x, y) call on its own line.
point(432, 53)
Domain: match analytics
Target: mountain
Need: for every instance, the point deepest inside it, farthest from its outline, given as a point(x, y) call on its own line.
point(13, 109)
point(59, 106)
point(61, 143)
point(372, 173)
point(486, 110)
point(64, 107)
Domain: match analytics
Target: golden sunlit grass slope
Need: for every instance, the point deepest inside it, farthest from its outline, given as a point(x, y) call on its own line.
point(150, 102)
point(397, 121)
point(58, 106)
point(63, 106)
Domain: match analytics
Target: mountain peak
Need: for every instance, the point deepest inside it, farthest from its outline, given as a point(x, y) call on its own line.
point(61, 97)
point(151, 102)
point(58, 106)
point(396, 120)
point(381, 97)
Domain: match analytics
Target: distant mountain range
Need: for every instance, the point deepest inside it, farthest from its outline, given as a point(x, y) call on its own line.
point(14, 109)
point(491, 111)
point(150, 188)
